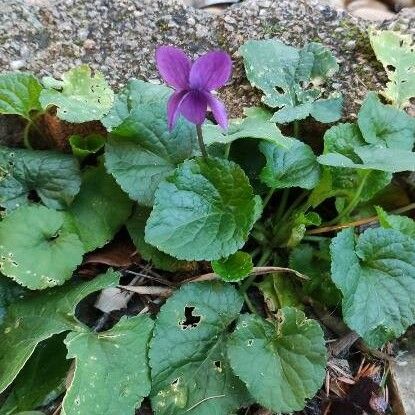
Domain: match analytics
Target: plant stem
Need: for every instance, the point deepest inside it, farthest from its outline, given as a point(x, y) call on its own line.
point(296, 126)
point(200, 140)
point(262, 261)
point(282, 205)
point(227, 149)
point(267, 198)
point(354, 202)
point(26, 132)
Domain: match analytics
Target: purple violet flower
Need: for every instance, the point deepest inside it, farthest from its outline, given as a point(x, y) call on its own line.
point(193, 83)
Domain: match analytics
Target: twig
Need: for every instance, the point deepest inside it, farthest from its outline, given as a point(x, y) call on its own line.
point(256, 271)
point(359, 222)
point(147, 290)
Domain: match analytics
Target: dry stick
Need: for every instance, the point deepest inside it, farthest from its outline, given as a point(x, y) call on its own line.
point(359, 222)
point(147, 290)
point(255, 271)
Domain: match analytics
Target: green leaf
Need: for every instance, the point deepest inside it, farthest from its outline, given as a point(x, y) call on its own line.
point(109, 364)
point(99, 210)
point(341, 145)
point(9, 293)
point(300, 222)
point(290, 167)
point(290, 79)
point(85, 146)
point(376, 275)
point(39, 317)
point(204, 211)
point(279, 290)
point(396, 52)
point(36, 251)
point(189, 367)
point(141, 152)
point(54, 176)
point(315, 263)
point(400, 223)
point(256, 124)
point(135, 226)
point(386, 126)
point(19, 94)
point(289, 358)
point(135, 93)
point(80, 97)
point(235, 267)
point(41, 380)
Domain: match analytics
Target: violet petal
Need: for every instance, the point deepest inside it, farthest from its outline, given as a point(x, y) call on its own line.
point(193, 107)
point(173, 108)
point(211, 71)
point(174, 66)
point(218, 109)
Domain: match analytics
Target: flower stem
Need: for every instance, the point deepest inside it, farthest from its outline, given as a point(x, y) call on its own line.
point(296, 126)
point(200, 140)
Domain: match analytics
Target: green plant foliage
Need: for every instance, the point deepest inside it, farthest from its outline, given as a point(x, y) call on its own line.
point(80, 97)
point(41, 380)
point(135, 226)
point(299, 226)
point(400, 223)
point(99, 210)
point(19, 94)
point(36, 250)
point(141, 152)
point(376, 275)
point(256, 124)
point(293, 166)
point(113, 364)
point(396, 52)
point(289, 355)
point(382, 141)
point(204, 211)
point(279, 290)
point(290, 79)
point(189, 366)
point(235, 267)
point(135, 93)
point(85, 146)
point(53, 176)
point(39, 317)
point(315, 263)
point(9, 293)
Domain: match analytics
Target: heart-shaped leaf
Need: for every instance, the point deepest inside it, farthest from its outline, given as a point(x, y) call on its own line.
point(204, 211)
point(55, 177)
point(190, 369)
point(112, 363)
point(36, 250)
point(376, 275)
point(39, 317)
point(19, 94)
point(289, 358)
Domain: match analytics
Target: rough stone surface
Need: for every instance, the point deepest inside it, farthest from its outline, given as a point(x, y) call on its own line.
point(119, 38)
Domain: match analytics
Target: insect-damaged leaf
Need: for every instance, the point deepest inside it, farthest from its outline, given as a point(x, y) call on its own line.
point(282, 363)
point(190, 369)
point(80, 97)
point(39, 317)
point(290, 79)
point(55, 177)
point(111, 373)
point(35, 248)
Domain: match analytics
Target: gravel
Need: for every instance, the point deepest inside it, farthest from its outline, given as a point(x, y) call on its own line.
point(119, 38)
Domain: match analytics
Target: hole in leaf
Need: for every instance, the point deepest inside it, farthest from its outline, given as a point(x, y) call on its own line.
point(218, 365)
point(190, 320)
point(175, 382)
point(53, 237)
point(279, 90)
point(390, 68)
